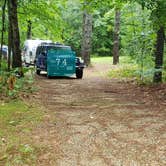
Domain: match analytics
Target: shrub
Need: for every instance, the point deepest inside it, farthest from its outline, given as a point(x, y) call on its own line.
point(11, 85)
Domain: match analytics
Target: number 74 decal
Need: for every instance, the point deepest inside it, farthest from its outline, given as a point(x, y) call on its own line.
point(61, 62)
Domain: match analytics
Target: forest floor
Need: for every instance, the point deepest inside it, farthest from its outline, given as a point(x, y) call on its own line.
point(97, 121)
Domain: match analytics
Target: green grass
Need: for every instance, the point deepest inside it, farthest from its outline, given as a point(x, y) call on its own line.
point(17, 120)
point(127, 69)
point(101, 59)
point(124, 71)
point(109, 59)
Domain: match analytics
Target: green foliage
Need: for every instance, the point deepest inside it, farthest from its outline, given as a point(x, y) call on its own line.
point(62, 21)
point(157, 8)
point(11, 85)
point(139, 39)
point(102, 33)
point(129, 69)
point(125, 71)
point(159, 14)
point(72, 25)
point(45, 16)
point(102, 25)
point(135, 33)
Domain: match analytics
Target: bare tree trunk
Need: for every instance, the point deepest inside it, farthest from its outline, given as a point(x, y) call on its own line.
point(3, 29)
point(86, 37)
point(10, 37)
point(116, 37)
point(29, 29)
point(159, 53)
point(16, 59)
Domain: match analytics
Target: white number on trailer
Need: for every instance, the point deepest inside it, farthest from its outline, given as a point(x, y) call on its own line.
point(62, 62)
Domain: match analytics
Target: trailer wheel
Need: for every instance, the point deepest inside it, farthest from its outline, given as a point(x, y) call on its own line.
point(79, 73)
point(49, 77)
point(37, 71)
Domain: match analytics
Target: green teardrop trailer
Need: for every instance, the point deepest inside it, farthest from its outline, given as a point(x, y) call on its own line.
point(58, 60)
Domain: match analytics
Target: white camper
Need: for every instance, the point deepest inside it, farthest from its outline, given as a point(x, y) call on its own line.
point(29, 50)
point(4, 51)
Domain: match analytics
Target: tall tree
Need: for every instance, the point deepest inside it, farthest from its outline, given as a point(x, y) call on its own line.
point(3, 29)
point(15, 42)
point(116, 41)
point(116, 37)
point(158, 16)
point(86, 37)
point(10, 36)
point(159, 54)
point(29, 29)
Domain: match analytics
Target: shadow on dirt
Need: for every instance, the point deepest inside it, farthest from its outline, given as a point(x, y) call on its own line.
point(44, 75)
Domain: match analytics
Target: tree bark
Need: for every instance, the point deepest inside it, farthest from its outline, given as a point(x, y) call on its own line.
point(16, 58)
point(3, 29)
point(116, 37)
point(10, 36)
point(86, 38)
point(29, 29)
point(159, 53)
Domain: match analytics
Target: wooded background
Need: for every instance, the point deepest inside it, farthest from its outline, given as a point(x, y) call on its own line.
point(134, 28)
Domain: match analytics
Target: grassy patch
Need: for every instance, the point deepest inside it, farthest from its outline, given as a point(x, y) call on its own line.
point(16, 123)
point(105, 59)
point(123, 71)
point(128, 69)
point(109, 59)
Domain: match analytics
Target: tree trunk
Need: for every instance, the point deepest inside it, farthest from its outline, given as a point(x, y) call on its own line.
point(16, 59)
point(86, 37)
point(29, 29)
point(3, 29)
point(159, 53)
point(10, 37)
point(116, 37)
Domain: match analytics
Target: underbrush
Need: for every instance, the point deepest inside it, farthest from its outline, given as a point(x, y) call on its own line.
point(123, 71)
point(128, 68)
point(134, 72)
point(17, 119)
point(11, 85)
point(16, 123)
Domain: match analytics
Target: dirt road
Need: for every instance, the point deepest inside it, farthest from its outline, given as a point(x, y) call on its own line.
point(100, 122)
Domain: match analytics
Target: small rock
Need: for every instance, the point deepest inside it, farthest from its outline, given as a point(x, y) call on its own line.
point(3, 140)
